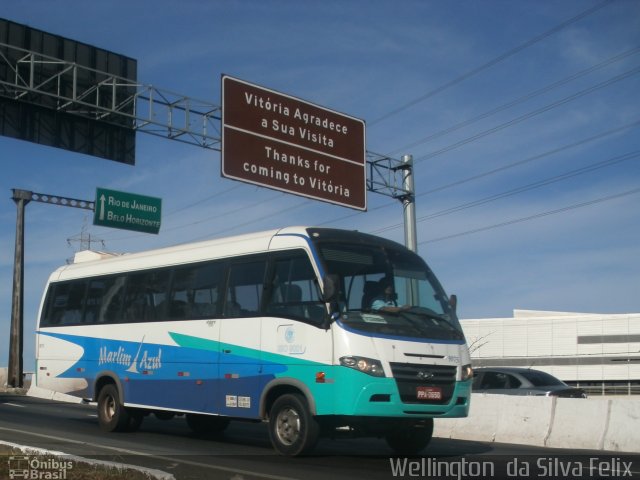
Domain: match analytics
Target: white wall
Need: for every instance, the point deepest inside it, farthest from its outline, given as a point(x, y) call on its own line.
point(543, 335)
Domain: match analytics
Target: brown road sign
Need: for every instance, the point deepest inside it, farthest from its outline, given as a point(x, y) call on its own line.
point(281, 142)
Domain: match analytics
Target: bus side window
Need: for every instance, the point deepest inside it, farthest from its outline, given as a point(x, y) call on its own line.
point(244, 291)
point(111, 299)
point(66, 303)
point(194, 294)
point(294, 291)
point(93, 300)
point(145, 296)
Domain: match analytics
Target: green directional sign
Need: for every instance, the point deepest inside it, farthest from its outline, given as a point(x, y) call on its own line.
point(127, 211)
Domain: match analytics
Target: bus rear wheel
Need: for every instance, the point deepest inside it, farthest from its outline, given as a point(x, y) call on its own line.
point(292, 429)
point(112, 415)
point(410, 439)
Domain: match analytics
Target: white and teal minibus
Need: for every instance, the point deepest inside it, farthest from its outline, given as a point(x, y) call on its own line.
point(296, 327)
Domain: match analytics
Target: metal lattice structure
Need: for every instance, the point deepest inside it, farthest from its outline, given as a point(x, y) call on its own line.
point(109, 98)
point(387, 176)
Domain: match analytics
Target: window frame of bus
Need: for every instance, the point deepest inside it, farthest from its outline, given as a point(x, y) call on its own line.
point(270, 260)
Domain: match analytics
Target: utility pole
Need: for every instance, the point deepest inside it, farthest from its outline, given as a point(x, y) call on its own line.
point(14, 377)
point(409, 205)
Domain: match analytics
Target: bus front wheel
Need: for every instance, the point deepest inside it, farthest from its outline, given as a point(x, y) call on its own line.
point(410, 439)
point(292, 429)
point(112, 415)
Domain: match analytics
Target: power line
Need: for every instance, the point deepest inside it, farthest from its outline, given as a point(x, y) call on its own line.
point(517, 101)
point(542, 155)
point(207, 219)
point(249, 222)
point(525, 188)
point(502, 168)
point(531, 114)
point(459, 182)
point(492, 62)
point(539, 156)
point(204, 200)
point(494, 171)
point(534, 217)
point(468, 140)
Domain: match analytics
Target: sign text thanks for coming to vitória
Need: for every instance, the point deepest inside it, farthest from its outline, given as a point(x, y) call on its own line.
point(281, 142)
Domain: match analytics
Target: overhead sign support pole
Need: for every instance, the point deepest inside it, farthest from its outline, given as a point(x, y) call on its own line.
point(14, 377)
point(394, 178)
point(22, 198)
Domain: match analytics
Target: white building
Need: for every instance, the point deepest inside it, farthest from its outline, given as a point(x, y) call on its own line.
point(598, 352)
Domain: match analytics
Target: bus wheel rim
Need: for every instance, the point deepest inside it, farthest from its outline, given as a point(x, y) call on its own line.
point(288, 426)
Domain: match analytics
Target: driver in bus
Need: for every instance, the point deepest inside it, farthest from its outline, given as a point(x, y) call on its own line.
point(387, 301)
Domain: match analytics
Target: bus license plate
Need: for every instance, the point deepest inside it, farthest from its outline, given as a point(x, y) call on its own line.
point(429, 393)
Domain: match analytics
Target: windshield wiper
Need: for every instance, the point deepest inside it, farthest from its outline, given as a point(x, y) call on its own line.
point(427, 312)
point(440, 318)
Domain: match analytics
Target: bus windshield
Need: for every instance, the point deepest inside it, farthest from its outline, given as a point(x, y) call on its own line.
point(389, 290)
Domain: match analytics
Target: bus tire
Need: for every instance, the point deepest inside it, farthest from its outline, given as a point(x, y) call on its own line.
point(203, 424)
point(112, 415)
point(410, 439)
point(292, 429)
point(135, 420)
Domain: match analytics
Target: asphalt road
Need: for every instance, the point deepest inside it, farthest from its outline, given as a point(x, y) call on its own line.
point(243, 452)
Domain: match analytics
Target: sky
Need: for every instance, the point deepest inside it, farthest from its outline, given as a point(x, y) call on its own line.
point(522, 118)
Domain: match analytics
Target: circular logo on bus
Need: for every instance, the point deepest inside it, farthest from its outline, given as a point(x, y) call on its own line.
point(289, 334)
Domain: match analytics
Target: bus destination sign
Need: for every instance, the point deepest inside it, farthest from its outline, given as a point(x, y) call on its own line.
point(127, 211)
point(285, 143)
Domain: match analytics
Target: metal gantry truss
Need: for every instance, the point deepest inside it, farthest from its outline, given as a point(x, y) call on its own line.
point(145, 108)
point(388, 176)
point(109, 98)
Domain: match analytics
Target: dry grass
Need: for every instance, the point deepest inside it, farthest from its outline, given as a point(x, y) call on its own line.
point(51, 469)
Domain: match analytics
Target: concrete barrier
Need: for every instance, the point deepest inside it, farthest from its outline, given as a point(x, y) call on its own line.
point(3, 376)
point(579, 423)
point(609, 424)
point(524, 420)
point(623, 430)
point(485, 413)
point(35, 391)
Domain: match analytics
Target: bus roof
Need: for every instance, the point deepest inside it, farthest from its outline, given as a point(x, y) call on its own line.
point(97, 263)
point(91, 264)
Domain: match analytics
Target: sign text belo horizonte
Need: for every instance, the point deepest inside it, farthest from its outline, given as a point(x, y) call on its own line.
point(274, 140)
point(127, 211)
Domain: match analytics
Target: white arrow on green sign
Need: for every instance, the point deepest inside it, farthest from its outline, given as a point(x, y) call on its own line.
point(127, 211)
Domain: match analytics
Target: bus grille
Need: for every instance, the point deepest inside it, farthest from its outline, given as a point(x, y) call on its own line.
point(410, 376)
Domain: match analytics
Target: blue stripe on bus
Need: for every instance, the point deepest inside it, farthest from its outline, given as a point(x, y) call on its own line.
point(185, 376)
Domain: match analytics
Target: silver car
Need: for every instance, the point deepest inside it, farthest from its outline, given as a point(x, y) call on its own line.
point(521, 381)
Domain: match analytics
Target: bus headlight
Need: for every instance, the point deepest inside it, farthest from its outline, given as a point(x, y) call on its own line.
point(466, 372)
point(364, 365)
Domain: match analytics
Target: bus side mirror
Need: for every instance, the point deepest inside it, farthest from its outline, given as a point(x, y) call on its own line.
point(331, 288)
point(453, 303)
point(331, 295)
